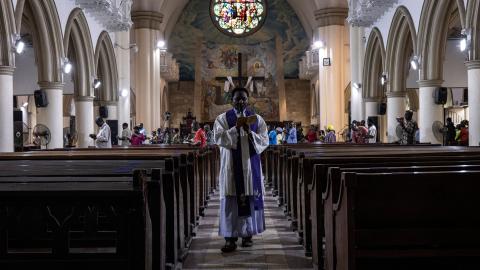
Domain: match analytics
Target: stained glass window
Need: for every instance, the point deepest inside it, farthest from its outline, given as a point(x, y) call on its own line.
point(238, 17)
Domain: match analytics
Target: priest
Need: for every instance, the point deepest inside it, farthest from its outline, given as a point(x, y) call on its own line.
point(242, 137)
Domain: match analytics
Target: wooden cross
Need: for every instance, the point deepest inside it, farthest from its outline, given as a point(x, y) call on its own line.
point(240, 78)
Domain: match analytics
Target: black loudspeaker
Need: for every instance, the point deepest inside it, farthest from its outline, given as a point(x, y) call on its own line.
point(15, 102)
point(17, 116)
point(382, 108)
point(18, 130)
point(441, 95)
point(113, 124)
point(103, 111)
point(41, 100)
point(465, 96)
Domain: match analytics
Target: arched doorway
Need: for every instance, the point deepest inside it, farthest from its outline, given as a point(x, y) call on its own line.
point(401, 48)
point(78, 47)
point(374, 78)
point(439, 22)
point(38, 24)
point(106, 95)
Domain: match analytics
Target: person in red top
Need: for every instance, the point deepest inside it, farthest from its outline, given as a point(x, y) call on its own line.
point(463, 137)
point(137, 137)
point(361, 133)
point(200, 138)
point(312, 135)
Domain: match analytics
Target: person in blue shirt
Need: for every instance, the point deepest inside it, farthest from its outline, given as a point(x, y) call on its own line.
point(292, 134)
point(272, 136)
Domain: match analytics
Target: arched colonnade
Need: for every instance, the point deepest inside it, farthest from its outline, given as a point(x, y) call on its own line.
point(427, 47)
point(52, 48)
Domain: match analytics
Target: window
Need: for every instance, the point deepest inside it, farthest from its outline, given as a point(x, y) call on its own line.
point(238, 18)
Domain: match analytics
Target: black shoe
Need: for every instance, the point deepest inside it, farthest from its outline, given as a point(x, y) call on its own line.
point(247, 242)
point(230, 246)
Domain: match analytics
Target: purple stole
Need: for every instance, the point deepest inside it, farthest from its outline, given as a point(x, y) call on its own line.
point(244, 208)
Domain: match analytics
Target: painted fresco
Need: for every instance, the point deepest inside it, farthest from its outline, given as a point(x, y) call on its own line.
point(195, 34)
point(221, 60)
point(195, 27)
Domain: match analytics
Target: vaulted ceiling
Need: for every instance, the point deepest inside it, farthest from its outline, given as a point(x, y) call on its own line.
point(172, 9)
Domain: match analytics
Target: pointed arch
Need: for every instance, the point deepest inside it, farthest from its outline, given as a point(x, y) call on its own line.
point(374, 66)
point(7, 30)
point(432, 36)
point(106, 68)
point(42, 20)
point(78, 46)
point(473, 23)
point(401, 45)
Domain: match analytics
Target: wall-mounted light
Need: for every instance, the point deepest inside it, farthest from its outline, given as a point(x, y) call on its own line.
point(318, 45)
point(25, 104)
point(66, 66)
point(18, 44)
point(96, 83)
point(124, 93)
point(465, 42)
point(357, 85)
point(161, 45)
point(384, 79)
point(415, 62)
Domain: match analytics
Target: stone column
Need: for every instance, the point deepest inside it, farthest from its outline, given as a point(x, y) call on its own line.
point(280, 80)
point(84, 119)
point(428, 111)
point(474, 102)
point(6, 109)
point(357, 52)
point(52, 115)
point(332, 32)
point(371, 108)
point(146, 67)
point(123, 67)
point(395, 108)
point(198, 104)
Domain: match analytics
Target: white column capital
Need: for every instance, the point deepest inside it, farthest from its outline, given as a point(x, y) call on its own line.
point(51, 85)
point(430, 83)
point(396, 94)
point(372, 99)
point(473, 64)
point(6, 70)
point(84, 99)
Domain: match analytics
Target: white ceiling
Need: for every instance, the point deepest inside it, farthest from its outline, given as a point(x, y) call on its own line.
point(171, 10)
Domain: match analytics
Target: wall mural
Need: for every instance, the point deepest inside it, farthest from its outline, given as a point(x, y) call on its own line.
point(195, 31)
point(221, 60)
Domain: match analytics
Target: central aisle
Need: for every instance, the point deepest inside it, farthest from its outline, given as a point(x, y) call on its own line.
point(276, 248)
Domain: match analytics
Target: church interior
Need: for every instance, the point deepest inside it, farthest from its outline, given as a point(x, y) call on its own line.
point(239, 134)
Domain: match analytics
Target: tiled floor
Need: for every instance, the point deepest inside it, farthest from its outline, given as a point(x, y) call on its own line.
point(276, 248)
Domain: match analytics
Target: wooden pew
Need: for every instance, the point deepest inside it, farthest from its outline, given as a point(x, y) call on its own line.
point(181, 187)
point(426, 220)
point(307, 161)
point(50, 238)
point(331, 195)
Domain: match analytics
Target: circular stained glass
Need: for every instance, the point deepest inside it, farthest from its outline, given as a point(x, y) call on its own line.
point(238, 18)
